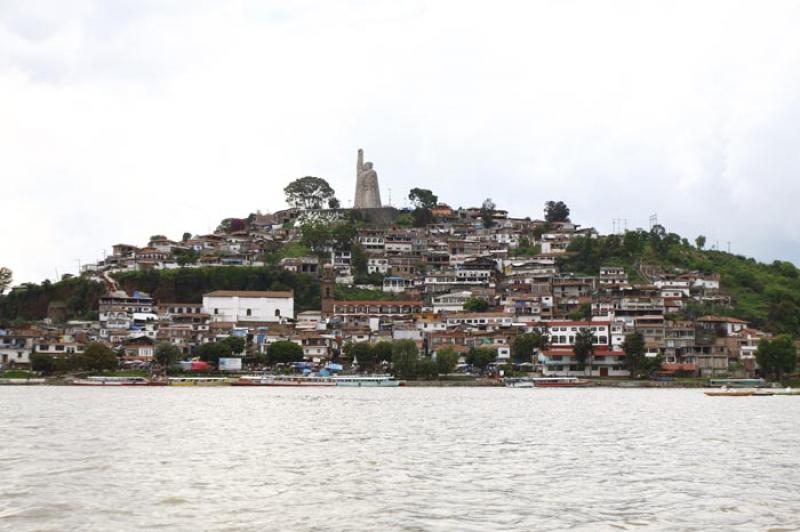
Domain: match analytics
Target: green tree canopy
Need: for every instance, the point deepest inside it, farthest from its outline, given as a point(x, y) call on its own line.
point(777, 357)
point(167, 354)
point(423, 198)
point(284, 352)
point(309, 193)
point(524, 346)
point(481, 357)
point(383, 351)
point(446, 360)
point(487, 212)
point(476, 304)
point(42, 362)
point(700, 241)
point(98, 357)
point(634, 352)
point(404, 358)
point(362, 353)
point(556, 211)
point(583, 348)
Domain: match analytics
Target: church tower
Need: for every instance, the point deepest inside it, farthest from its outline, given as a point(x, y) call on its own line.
point(327, 290)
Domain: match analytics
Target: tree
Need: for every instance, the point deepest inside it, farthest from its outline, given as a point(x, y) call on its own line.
point(186, 236)
point(383, 351)
point(556, 211)
point(42, 362)
point(211, 352)
point(584, 348)
point(421, 216)
point(6, 277)
point(363, 354)
point(423, 198)
point(167, 354)
point(700, 241)
point(333, 203)
point(777, 357)
point(446, 360)
point(234, 345)
point(634, 352)
point(342, 236)
point(481, 357)
point(309, 193)
point(487, 212)
point(657, 235)
point(284, 352)
point(359, 261)
point(425, 368)
point(98, 357)
point(185, 256)
point(582, 313)
point(524, 345)
point(476, 304)
point(404, 358)
point(317, 237)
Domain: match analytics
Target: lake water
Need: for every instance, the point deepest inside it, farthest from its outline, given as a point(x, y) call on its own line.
point(407, 458)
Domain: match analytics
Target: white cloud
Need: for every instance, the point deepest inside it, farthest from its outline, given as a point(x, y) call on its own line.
point(121, 120)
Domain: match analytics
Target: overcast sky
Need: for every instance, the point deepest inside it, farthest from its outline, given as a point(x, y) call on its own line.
point(123, 119)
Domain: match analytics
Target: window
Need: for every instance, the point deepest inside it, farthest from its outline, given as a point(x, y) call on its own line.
point(216, 311)
point(277, 312)
point(249, 312)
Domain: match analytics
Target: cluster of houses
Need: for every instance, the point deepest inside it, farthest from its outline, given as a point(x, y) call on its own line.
point(453, 283)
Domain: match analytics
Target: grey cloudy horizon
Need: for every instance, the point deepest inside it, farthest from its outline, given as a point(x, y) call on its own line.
point(124, 119)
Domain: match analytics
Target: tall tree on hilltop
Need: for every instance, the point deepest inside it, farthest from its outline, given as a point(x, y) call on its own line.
point(556, 211)
point(700, 241)
point(423, 198)
point(487, 212)
point(309, 193)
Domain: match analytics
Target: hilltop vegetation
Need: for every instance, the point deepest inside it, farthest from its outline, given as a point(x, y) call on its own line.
point(767, 295)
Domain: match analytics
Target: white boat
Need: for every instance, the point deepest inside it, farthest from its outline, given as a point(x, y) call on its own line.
point(101, 380)
point(364, 382)
point(198, 381)
point(513, 382)
point(283, 380)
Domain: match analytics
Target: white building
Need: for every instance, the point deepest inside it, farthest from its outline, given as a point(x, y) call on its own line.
point(252, 306)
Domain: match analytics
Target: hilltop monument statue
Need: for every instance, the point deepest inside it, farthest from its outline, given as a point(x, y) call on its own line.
point(368, 194)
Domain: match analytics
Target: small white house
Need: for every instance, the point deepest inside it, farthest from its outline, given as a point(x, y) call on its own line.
point(252, 306)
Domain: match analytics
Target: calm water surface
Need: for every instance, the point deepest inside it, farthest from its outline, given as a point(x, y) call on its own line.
point(409, 458)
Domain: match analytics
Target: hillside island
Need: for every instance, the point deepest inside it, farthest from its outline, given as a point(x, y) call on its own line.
point(432, 293)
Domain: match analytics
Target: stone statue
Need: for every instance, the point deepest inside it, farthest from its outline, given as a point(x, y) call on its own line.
point(368, 194)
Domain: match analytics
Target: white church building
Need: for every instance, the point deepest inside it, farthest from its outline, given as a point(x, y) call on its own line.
point(252, 306)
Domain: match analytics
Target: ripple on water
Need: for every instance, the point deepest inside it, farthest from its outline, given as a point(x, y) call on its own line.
point(414, 459)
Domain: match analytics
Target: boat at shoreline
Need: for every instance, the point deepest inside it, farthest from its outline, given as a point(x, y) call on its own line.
point(725, 392)
point(198, 381)
point(354, 381)
point(383, 381)
point(283, 380)
point(513, 382)
point(100, 380)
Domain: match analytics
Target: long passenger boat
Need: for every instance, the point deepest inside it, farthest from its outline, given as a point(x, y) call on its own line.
point(283, 380)
point(354, 381)
point(101, 380)
point(198, 381)
point(559, 382)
